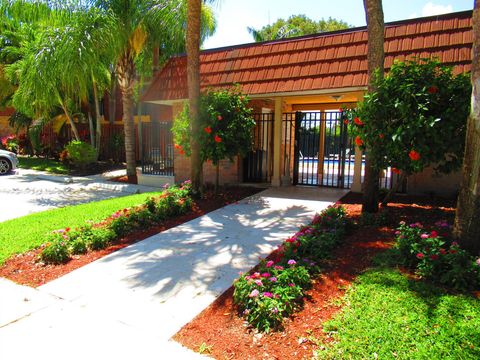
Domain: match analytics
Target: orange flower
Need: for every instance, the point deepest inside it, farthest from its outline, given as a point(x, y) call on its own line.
point(218, 139)
point(345, 121)
point(432, 89)
point(208, 130)
point(358, 141)
point(414, 156)
point(182, 152)
point(219, 117)
point(395, 171)
point(178, 146)
point(358, 121)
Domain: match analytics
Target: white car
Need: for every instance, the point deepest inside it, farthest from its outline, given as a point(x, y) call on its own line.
point(8, 161)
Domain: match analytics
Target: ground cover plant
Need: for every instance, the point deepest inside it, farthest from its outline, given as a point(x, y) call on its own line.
point(276, 289)
point(27, 232)
point(62, 244)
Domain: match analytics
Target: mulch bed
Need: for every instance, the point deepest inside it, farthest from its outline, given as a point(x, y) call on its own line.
point(25, 268)
point(227, 336)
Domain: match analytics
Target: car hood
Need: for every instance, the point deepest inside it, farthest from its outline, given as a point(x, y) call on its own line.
point(6, 153)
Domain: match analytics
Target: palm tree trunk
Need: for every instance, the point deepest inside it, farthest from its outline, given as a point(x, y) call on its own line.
point(467, 225)
point(98, 123)
point(193, 77)
point(112, 99)
point(126, 80)
point(375, 28)
point(70, 121)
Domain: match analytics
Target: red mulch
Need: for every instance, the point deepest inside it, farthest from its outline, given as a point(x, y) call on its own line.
point(25, 268)
point(124, 179)
point(229, 337)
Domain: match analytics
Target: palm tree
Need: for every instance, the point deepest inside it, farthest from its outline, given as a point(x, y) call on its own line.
point(375, 28)
point(467, 226)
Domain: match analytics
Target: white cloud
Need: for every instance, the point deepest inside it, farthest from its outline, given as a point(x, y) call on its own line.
point(431, 9)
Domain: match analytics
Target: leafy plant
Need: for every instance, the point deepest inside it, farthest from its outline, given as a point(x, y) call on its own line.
point(80, 153)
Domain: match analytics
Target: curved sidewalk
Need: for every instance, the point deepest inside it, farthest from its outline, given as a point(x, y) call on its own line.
point(129, 303)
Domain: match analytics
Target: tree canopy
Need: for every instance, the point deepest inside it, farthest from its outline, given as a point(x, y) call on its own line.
point(296, 25)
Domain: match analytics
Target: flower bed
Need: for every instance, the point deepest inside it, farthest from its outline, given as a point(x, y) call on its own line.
point(62, 244)
point(436, 257)
point(276, 289)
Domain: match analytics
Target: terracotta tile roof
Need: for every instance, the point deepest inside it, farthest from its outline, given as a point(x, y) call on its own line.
point(322, 61)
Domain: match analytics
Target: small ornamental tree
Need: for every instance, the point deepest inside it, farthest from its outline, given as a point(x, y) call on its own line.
point(419, 111)
point(226, 127)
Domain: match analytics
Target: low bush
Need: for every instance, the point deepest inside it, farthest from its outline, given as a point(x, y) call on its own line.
point(81, 153)
point(62, 244)
point(435, 257)
point(276, 290)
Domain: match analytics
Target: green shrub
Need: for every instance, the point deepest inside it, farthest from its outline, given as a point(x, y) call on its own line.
point(80, 153)
point(437, 258)
point(78, 246)
point(55, 252)
point(100, 238)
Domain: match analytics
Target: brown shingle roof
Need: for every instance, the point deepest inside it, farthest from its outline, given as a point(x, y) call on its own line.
point(321, 61)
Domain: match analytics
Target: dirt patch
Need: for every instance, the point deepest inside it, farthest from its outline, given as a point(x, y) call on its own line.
point(25, 268)
point(227, 336)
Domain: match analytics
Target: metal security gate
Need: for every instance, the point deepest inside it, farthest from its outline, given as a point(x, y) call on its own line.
point(157, 148)
point(323, 152)
point(258, 163)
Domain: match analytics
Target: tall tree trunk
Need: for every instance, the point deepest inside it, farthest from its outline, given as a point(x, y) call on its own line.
point(467, 223)
point(193, 77)
point(375, 28)
point(98, 120)
point(112, 99)
point(126, 81)
point(70, 120)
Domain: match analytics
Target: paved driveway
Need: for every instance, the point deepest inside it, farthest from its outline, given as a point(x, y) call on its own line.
point(29, 191)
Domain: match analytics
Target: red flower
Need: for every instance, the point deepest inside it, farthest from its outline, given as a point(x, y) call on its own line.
point(432, 89)
point(414, 156)
point(358, 121)
point(345, 121)
point(420, 256)
point(182, 152)
point(208, 130)
point(219, 117)
point(340, 110)
point(358, 141)
point(381, 136)
point(395, 170)
point(434, 257)
point(443, 251)
point(179, 147)
point(433, 234)
point(67, 229)
point(218, 139)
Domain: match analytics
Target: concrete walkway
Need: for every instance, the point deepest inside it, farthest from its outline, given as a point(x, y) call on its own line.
point(128, 304)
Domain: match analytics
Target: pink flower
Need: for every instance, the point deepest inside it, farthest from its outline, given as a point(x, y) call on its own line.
point(291, 284)
point(420, 256)
point(269, 263)
point(291, 262)
point(266, 275)
point(254, 293)
point(478, 262)
point(259, 282)
point(424, 236)
point(268, 294)
point(219, 117)
point(273, 279)
point(275, 310)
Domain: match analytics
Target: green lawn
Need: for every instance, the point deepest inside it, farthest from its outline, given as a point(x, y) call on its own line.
point(388, 316)
point(28, 232)
point(41, 164)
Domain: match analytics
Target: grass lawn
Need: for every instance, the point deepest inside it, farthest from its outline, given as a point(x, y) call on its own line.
point(41, 164)
point(388, 316)
point(28, 232)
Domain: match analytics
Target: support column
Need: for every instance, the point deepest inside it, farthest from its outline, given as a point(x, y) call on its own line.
point(357, 171)
point(277, 142)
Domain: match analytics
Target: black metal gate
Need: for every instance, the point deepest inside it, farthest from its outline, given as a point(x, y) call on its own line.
point(258, 163)
point(323, 151)
point(157, 148)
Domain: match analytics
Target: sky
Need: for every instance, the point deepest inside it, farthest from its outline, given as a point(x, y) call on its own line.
point(234, 16)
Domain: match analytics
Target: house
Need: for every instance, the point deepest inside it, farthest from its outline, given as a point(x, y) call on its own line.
point(5, 128)
point(305, 81)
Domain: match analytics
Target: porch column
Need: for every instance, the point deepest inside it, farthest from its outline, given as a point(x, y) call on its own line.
point(277, 142)
point(357, 171)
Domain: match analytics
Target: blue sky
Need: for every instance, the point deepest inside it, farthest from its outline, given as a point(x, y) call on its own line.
point(234, 16)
